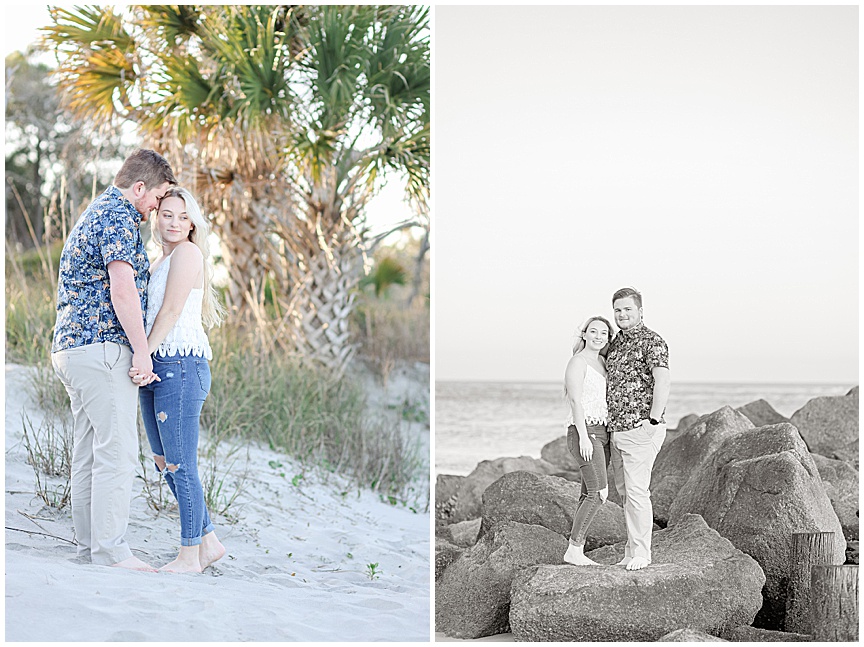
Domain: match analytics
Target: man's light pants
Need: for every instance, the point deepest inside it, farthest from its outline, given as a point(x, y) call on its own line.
point(633, 453)
point(105, 454)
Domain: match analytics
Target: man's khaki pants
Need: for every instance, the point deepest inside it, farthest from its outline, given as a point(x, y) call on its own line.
point(105, 452)
point(632, 458)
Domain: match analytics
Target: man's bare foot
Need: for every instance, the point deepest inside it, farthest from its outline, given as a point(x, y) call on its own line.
point(211, 550)
point(575, 556)
point(134, 564)
point(624, 562)
point(637, 563)
point(186, 562)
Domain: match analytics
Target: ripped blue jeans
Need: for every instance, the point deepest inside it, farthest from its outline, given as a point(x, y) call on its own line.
point(593, 478)
point(171, 410)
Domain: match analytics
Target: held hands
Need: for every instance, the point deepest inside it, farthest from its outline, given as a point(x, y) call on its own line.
point(142, 370)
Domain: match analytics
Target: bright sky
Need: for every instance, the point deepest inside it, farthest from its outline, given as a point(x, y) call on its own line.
point(706, 155)
point(22, 22)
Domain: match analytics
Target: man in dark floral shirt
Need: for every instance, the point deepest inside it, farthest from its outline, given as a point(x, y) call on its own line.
point(637, 389)
point(99, 335)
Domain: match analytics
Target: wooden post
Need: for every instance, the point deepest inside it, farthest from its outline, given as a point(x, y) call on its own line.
point(834, 603)
point(808, 549)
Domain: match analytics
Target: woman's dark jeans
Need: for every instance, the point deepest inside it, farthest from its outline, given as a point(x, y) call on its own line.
point(593, 478)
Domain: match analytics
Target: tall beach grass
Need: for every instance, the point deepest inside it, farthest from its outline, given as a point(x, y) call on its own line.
point(265, 397)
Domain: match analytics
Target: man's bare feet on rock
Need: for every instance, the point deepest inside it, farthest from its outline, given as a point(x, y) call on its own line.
point(134, 564)
point(637, 563)
point(575, 556)
point(210, 550)
point(186, 562)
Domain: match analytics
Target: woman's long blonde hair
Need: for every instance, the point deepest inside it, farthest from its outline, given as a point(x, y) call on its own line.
point(212, 311)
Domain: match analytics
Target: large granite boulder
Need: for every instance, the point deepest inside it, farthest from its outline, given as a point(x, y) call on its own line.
point(760, 413)
point(463, 534)
point(756, 489)
point(689, 636)
point(550, 502)
point(557, 453)
point(677, 460)
point(472, 597)
point(829, 426)
point(468, 495)
point(841, 485)
point(445, 554)
point(684, 422)
point(698, 580)
point(447, 488)
point(754, 635)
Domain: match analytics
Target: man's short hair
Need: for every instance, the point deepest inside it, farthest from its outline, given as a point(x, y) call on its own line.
point(145, 166)
point(623, 293)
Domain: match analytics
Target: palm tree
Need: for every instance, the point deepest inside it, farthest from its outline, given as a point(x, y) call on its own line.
point(284, 120)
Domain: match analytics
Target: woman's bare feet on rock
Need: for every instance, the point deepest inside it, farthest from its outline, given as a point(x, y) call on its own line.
point(186, 562)
point(637, 563)
point(134, 564)
point(575, 556)
point(210, 550)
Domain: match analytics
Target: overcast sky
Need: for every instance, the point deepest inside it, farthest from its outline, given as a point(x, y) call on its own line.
point(706, 155)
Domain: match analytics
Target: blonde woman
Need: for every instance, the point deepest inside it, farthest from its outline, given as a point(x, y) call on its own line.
point(587, 440)
point(181, 301)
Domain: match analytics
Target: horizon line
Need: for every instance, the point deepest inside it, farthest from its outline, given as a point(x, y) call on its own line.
point(730, 382)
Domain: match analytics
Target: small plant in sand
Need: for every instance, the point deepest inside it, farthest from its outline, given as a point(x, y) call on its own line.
point(223, 479)
point(155, 490)
point(49, 452)
point(372, 571)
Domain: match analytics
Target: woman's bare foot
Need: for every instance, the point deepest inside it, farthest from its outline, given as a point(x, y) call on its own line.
point(575, 556)
point(134, 564)
point(210, 550)
point(186, 562)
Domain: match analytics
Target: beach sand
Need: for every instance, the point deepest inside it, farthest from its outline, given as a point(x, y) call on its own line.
point(296, 567)
point(499, 638)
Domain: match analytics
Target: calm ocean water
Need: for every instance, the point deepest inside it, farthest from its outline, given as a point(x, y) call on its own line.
point(475, 421)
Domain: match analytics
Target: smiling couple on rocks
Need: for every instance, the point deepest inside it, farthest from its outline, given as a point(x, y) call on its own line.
point(617, 389)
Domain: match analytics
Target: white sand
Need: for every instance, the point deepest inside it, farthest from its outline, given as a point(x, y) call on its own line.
point(295, 570)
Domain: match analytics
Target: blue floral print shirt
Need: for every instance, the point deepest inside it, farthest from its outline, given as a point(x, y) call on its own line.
point(109, 230)
point(633, 354)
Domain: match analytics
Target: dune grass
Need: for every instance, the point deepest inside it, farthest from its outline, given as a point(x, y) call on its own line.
point(270, 398)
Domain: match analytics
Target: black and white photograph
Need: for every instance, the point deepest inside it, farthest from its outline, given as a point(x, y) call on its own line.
point(646, 323)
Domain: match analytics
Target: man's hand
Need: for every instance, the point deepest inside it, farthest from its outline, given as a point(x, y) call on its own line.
point(142, 369)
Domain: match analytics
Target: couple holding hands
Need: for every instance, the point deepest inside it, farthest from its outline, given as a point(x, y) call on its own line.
point(129, 332)
point(617, 389)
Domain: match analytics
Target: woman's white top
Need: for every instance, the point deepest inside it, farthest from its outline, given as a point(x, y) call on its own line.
point(593, 399)
point(187, 337)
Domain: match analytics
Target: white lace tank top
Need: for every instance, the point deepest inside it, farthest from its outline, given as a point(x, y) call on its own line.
point(187, 337)
point(593, 399)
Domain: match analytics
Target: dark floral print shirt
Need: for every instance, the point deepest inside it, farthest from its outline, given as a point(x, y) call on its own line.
point(629, 382)
point(109, 230)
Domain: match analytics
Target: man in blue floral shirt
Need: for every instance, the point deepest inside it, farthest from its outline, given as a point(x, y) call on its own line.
point(99, 335)
point(637, 389)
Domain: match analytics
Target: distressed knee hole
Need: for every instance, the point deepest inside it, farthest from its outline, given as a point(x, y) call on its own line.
point(160, 462)
point(173, 468)
point(604, 493)
point(162, 416)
